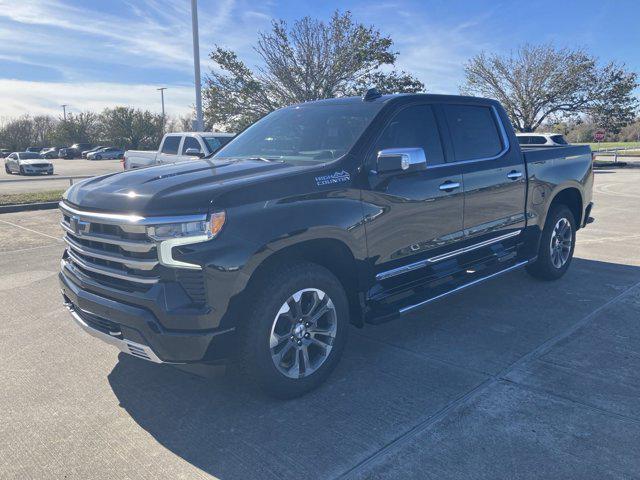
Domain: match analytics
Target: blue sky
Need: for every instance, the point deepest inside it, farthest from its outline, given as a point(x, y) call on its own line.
point(92, 54)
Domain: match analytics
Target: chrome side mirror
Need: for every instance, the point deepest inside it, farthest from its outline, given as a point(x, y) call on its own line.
point(194, 152)
point(401, 160)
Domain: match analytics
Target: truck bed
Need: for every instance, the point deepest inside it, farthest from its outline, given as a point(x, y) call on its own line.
point(537, 154)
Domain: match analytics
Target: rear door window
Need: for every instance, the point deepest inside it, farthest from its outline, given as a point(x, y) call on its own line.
point(190, 142)
point(559, 139)
point(537, 140)
point(474, 132)
point(170, 145)
point(412, 127)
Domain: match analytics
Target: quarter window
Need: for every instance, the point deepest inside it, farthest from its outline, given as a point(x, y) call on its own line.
point(474, 132)
point(170, 145)
point(414, 127)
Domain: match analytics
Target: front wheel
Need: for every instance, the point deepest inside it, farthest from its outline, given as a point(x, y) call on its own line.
point(297, 330)
point(7, 169)
point(556, 245)
point(21, 170)
point(97, 157)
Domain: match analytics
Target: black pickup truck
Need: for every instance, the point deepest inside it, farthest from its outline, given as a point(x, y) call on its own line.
point(320, 215)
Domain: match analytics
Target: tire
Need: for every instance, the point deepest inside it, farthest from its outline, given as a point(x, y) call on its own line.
point(271, 338)
point(21, 171)
point(7, 169)
point(97, 157)
point(555, 252)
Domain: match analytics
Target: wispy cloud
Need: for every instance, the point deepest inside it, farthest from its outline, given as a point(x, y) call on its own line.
point(20, 97)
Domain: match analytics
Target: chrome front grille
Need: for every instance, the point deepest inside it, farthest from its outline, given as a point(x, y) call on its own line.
point(120, 250)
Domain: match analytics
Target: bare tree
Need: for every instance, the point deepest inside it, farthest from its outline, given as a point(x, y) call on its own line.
point(309, 61)
point(539, 82)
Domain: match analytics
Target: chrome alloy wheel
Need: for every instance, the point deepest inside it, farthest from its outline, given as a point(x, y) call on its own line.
point(561, 240)
point(303, 332)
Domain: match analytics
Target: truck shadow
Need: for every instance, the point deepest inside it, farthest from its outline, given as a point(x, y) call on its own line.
point(391, 378)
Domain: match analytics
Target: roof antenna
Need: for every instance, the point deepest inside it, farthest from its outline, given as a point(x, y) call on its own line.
point(371, 94)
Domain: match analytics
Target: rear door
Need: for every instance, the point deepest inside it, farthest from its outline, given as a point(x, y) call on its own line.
point(411, 217)
point(190, 142)
point(494, 173)
point(169, 149)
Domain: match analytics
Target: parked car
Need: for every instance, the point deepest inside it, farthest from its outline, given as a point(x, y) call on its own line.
point(178, 147)
point(34, 149)
point(348, 210)
point(91, 150)
point(541, 139)
point(106, 153)
point(74, 151)
point(51, 152)
point(4, 152)
point(25, 163)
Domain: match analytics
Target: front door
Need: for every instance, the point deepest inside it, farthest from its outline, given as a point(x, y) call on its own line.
point(412, 216)
point(494, 174)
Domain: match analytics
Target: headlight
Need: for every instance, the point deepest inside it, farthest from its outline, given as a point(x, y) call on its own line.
point(206, 228)
point(169, 235)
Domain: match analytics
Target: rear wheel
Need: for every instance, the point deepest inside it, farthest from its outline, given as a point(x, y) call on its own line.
point(556, 245)
point(296, 332)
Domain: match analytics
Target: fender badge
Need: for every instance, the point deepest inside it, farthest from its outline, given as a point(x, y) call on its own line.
point(336, 177)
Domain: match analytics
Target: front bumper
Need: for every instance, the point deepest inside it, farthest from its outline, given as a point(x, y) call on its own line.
point(113, 337)
point(37, 170)
point(135, 329)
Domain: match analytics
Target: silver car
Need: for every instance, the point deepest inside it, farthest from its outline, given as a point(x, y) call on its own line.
point(106, 153)
point(26, 163)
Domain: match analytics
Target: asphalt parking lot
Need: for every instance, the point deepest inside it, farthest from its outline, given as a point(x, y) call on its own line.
point(513, 379)
point(62, 169)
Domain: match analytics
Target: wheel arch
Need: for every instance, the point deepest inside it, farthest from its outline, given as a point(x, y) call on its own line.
point(330, 253)
point(572, 198)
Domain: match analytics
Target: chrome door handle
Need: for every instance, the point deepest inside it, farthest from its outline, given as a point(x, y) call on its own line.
point(514, 175)
point(448, 186)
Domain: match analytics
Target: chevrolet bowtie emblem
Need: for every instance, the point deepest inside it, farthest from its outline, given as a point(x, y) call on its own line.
point(78, 226)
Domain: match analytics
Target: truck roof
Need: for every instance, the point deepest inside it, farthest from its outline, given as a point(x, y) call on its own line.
point(408, 96)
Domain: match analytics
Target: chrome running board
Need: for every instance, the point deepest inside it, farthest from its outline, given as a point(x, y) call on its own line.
point(462, 287)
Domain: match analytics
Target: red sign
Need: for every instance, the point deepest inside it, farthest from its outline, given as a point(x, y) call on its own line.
point(598, 135)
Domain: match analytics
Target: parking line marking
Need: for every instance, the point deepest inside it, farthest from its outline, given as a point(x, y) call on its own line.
point(30, 230)
point(28, 249)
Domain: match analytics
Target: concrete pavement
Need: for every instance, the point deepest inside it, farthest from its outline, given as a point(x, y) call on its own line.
point(513, 379)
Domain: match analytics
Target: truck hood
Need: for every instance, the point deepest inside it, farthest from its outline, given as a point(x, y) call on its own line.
point(175, 189)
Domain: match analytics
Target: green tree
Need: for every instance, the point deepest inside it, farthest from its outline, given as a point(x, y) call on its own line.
point(539, 83)
point(309, 61)
point(79, 127)
point(128, 127)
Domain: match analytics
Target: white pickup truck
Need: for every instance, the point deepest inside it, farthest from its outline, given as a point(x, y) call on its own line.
point(177, 147)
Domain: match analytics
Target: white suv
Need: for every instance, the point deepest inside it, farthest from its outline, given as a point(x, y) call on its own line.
point(541, 140)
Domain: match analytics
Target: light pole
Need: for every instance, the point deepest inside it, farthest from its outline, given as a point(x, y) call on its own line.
point(64, 111)
point(162, 89)
point(196, 64)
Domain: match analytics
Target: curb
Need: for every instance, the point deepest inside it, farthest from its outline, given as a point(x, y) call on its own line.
point(28, 206)
point(600, 164)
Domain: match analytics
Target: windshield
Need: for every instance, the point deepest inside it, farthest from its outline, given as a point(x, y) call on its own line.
point(315, 132)
point(215, 143)
point(28, 156)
